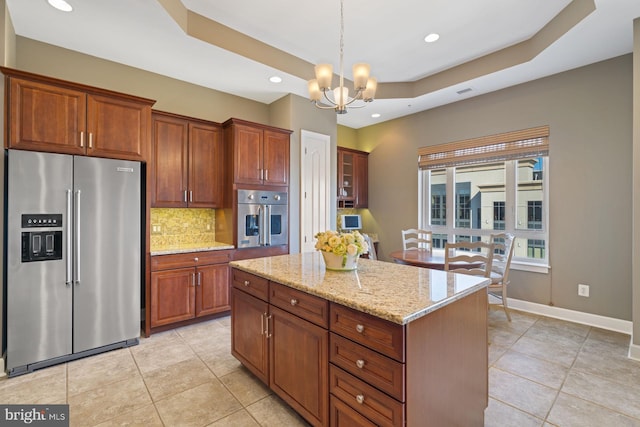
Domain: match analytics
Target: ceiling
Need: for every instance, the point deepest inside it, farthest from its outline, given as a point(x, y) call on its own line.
point(234, 46)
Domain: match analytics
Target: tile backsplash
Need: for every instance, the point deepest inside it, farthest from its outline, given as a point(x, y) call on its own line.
point(176, 228)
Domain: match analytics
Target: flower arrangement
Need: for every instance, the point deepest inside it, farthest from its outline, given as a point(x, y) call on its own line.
point(342, 244)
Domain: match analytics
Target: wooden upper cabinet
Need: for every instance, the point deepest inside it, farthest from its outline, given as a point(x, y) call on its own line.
point(260, 153)
point(187, 168)
point(353, 178)
point(46, 114)
point(117, 128)
point(169, 161)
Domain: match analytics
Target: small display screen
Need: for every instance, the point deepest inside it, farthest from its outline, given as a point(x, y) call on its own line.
point(351, 222)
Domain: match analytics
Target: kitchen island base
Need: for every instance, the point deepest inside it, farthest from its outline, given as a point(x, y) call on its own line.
point(431, 370)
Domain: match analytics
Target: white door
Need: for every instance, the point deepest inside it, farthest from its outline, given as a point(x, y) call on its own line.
point(315, 171)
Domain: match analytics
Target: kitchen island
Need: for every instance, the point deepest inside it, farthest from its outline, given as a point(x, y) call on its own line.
point(386, 344)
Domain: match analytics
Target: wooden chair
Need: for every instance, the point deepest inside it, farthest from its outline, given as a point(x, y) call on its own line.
point(503, 252)
point(473, 258)
point(415, 238)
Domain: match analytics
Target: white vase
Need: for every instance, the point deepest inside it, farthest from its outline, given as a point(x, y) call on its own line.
point(339, 262)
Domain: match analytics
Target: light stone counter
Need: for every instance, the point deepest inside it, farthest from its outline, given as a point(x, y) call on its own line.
point(180, 249)
point(395, 292)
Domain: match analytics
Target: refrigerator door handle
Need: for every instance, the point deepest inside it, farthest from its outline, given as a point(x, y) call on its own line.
point(68, 276)
point(76, 261)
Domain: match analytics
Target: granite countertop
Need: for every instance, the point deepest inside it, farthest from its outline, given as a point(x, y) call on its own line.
point(395, 292)
point(180, 249)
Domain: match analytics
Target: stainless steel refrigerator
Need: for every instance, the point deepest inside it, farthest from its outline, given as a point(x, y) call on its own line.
point(73, 257)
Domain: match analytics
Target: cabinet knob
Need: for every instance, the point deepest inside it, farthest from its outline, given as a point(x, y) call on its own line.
point(246, 283)
point(360, 399)
point(294, 301)
point(195, 259)
point(360, 328)
point(360, 363)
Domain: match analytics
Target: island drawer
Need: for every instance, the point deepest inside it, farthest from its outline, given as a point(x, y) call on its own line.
point(342, 415)
point(250, 283)
point(378, 407)
point(380, 371)
point(381, 335)
point(308, 307)
point(189, 259)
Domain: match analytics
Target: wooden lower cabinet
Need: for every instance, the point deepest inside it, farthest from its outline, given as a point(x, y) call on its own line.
point(285, 351)
point(188, 286)
point(340, 367)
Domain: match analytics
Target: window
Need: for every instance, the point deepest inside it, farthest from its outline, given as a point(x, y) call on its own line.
point(497, 183)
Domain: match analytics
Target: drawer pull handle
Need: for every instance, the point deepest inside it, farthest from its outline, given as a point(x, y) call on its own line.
point(360, 363)
point(360, 399)
point(294, 301)
point(360, 328)
point(246, 283)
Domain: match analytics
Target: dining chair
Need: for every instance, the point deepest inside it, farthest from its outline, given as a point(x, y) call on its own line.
point(415, 238)
point(503, 252)
point(473, 258)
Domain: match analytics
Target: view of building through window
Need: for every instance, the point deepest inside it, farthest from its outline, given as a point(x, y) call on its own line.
point(489, 197)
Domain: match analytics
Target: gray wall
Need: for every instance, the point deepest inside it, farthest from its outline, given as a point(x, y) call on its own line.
point(589, 112)
point(635, 350)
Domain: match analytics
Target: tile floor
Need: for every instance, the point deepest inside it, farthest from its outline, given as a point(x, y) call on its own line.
point(543, 372)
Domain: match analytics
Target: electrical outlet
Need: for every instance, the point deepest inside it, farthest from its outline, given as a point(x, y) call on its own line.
point(583, 290)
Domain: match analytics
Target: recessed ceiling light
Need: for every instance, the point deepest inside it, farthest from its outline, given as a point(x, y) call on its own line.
point(375, 115)
point(61, 5)
point(432, 37)
point(275, 79)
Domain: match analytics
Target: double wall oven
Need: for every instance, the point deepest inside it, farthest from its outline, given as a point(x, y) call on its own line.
point(262, 218)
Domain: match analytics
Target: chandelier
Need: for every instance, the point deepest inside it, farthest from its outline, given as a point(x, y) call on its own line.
point(338, 98)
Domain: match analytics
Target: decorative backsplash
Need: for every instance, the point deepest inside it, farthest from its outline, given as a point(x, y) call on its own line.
point(178, 228)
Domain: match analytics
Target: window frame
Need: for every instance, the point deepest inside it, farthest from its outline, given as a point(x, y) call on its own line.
point(522, 236)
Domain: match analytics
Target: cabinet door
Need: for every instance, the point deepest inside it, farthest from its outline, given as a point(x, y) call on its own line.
point(118, 128)
point(299, 365)
point(276, 158)
point(46, 118)
point(248, 155)
point(172, 296)
point(248, 339)
point(345, 176)
point(206, 166)
point(169, 162)
point(212, 294)
point(361, 180)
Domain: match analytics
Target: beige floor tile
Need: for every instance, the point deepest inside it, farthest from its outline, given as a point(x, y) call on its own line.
point(96, 371)
point(221, 362)
point(572, 411)
point(48, 385)
point(528, 396)
point(520, 321)
point(198, 406)
point(245, 386)
point(499, 414)
point(547, 351)
point(496, 352)
point(543, 372)
point(502, 336)
point(273, 412)
point(604, 392)
point(143, 417)
point(558, 331)
point(107, 402)
point(166, 351)
point(177, 378)
point(238, 419)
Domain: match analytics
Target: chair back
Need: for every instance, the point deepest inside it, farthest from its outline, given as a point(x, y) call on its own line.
point(473, 258)
point(503, 252)
point(415, 238)
point(372, 248)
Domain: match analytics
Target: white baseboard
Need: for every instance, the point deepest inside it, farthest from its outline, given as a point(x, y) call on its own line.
point(609, 323)
point(2, 372)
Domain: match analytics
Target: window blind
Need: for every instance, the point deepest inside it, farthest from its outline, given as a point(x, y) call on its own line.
point(520, 144)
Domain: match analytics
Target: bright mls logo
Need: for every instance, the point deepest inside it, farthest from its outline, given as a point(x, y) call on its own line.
point(35, 415)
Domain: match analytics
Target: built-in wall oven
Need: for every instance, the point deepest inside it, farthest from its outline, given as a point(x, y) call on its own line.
point(262, 218)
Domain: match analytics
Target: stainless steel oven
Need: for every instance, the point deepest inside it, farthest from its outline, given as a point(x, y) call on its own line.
point(262, 218)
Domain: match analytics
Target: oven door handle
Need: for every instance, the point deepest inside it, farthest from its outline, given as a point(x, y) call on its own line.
point(261, 216)
point(267, 225)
